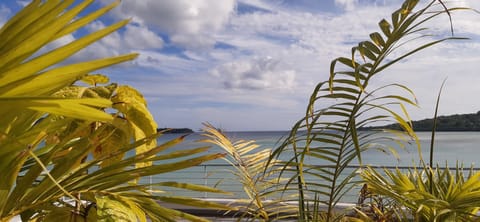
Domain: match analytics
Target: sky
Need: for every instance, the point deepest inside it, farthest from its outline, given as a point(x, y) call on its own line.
point(251, 65)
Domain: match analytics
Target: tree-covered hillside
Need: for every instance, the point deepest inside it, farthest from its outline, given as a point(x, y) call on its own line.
point(457, 122)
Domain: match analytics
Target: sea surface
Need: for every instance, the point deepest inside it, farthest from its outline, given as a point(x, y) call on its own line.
point(450, 149)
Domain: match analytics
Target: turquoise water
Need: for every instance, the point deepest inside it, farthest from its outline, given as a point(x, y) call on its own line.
point(450, 147)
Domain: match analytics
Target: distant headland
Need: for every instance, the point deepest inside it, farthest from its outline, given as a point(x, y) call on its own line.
point(175, 130)
point(456, 122)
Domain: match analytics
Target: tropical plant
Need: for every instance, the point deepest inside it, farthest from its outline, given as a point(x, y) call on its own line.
point(66, 148)
point(257, 175)
point(326, 141)
point(375, 207)
point(430, 194)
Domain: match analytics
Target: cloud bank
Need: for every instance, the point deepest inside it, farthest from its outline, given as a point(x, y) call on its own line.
point(252, 64)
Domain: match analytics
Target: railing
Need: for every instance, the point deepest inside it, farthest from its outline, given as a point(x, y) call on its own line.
point(220, 176)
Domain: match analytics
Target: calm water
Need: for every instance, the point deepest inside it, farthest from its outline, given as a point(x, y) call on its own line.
point(450, 147)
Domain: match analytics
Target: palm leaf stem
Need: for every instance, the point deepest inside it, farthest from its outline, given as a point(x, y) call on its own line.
point(434, 128)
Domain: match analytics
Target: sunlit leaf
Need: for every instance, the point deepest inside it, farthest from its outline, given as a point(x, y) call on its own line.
point(95, 79)
point(133, 105)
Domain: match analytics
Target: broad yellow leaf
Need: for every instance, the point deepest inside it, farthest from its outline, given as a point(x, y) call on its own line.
point(95, 79)
point(133, 106)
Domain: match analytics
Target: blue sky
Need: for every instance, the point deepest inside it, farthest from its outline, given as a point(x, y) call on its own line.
point(252, 64)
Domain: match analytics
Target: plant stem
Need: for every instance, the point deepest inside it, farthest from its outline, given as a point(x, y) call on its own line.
point(432, 140)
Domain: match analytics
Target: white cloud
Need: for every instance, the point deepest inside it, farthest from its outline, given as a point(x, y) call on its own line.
point(23, 3)
point(302, 44)
point(192, 41)
point(190, 23)
point(269, 61)
point(132, 39)
point(113, 41)
point(257, 74)
point(268, 33)
point(348, 5)
point(140, 37)
point(170, 64)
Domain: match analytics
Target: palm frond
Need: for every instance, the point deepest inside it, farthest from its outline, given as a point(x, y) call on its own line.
point(328, 134)
point(256, 173)
point(430, 194)
point(63, 156)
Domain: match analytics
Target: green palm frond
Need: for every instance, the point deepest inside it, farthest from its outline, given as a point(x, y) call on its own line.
point(256, 173)
point(328, 134)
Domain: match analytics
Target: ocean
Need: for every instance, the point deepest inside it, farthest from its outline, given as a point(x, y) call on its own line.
point(450, 148)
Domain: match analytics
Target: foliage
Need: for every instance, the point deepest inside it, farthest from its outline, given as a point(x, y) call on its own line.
point(257, 175)
point(338, 107)
point(431, 194)
point(62, 155)
point(454, 197)
point(374, 207)
point(456, 122)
